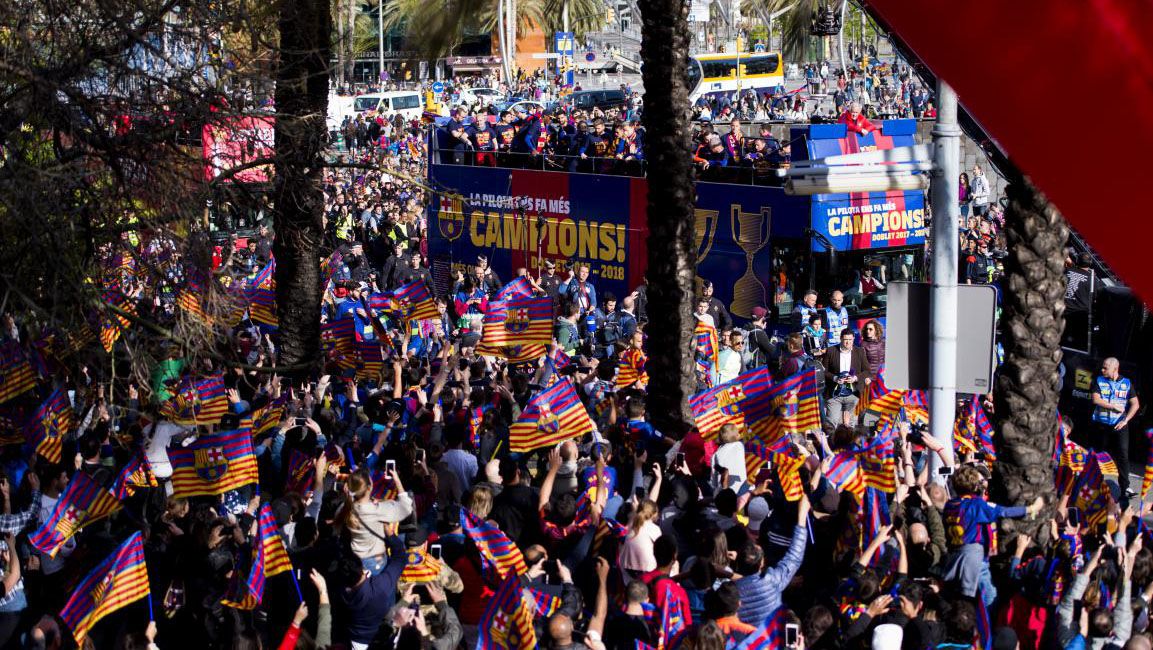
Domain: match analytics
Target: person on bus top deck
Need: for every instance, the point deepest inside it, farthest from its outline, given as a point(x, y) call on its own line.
point(721, 317)
point(856, 122)
point(712, 153)
point(483, 141)
point(458, 140)
point(596, 143)
point(579, 290)
point(735, 140)
point(550, 283)
point(804, 310)
point(350, 306)
point(836, 317)
point(631, 144)
point(505, 131)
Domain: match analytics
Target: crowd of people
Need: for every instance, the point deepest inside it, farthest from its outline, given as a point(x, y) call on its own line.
point(411, 516)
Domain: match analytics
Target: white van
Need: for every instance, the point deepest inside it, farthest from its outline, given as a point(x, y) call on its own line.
point(339, 107)
point(408, 103)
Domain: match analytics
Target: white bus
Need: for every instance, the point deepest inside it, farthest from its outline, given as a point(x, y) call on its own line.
point(727, 73)
point(406, 102)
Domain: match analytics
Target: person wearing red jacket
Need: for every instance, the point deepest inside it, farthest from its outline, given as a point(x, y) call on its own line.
point(855, 122)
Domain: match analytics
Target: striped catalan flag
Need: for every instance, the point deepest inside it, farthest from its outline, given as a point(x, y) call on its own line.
point(51, 422)
point(706, 348)
point(113, 324)
point(16, 374)
point(136, 473)
point(421, 567)
point(213, 464)
point(553, 415)
point(744, 402)
point(499, 555)
point(631, 368)
point(269, 558)
point(382, 302)
point(522, 321)
point(413, 302)
point(120, 580)
point(796, 406)
point(83, 503)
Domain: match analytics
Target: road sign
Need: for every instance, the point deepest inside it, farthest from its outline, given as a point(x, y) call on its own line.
point(438, 87)
point(590, 56)
point(907, 334)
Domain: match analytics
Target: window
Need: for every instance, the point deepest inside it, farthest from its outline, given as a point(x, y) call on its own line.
point(365, 104)
point(405, 101)
point(767, 64)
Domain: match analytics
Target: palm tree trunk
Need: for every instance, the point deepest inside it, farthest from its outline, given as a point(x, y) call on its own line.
point(1027, 386)
point(672, 256)
point(301, 106)
point(342, 36)
point(350, 43)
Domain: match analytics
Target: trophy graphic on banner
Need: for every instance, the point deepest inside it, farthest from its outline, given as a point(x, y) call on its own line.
point(450, 217)
point(751, 232)
point(704, 233)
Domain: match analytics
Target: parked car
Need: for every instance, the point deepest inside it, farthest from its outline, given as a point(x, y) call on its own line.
point(602, 99)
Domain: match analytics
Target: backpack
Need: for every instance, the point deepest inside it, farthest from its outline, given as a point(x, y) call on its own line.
point(611, 329)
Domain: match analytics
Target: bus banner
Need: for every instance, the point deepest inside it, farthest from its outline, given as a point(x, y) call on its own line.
point(864, 220)
point(518, 218)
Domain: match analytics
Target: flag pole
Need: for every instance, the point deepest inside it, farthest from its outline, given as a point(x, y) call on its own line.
point(151, 618)
point(295, 583)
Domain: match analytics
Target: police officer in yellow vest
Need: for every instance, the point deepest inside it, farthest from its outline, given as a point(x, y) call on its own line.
point(1114, 405)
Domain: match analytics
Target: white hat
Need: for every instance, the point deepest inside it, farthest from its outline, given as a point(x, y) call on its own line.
point(888, 637)
point(758, 511)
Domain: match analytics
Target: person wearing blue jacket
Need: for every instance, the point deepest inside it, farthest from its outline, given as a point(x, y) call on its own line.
point(969, 520)
point(760, 586)
point(367, 597)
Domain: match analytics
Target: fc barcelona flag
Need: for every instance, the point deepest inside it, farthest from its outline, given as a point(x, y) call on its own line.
point(1091, 494)
point(500, 558)
point(301, 472)
point(770, 636)
point(338, 340)
point(83, 503)
point(421, 567)
point(197, 401)
point(268, 558)
point(262, 307)
point(1147, 479)
point(554, 415)
point(507, 620)
point(188, 299)
point(513, 353)
point(137, 473)
point(844, 472)
point(268, 416)
point(631, 368)
point(880, 399)
point(51, 422)
point(1070, 464)
point(16, 374)
point(706, 348)
point(120, 580)
point(213, 464)
point(878, 463)
point(523, 321)
point(983, 428)
point(796, 408)
point(743, 401)
point(413, 302)
point(518, 288)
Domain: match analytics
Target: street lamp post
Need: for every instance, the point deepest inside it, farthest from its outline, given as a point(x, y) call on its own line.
point(943, 290)
point(380, 40)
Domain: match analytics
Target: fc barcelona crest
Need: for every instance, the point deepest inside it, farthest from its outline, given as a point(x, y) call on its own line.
point(211, 463)
point(516, 321)
point(450, 218)
point(547, 421)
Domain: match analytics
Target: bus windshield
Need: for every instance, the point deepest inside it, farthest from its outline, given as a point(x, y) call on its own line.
point(366, 103)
